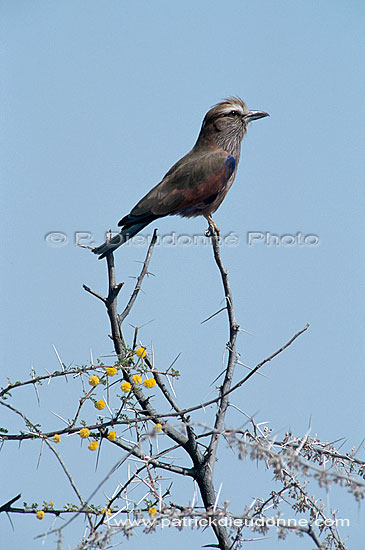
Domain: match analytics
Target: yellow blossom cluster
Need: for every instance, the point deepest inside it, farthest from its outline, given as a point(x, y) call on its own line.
point(94, 380)
point(111, 371)
point(111, 435)
point(93, 445)
point(137, 379)
point(126, 387)
point(84, 433)
point(100, 405)
point(149, 383)
point(141, 352)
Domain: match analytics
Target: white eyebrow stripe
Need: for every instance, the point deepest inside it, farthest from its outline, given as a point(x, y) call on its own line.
point(232, 107)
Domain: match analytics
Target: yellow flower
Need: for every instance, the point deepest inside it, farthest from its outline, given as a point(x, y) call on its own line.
point(56, 438)
point(40, 514)
point(84, 433)
point(108, 511)
point(149, 383)
point(51, 503)
point(111, 371)
point(152, 511)
point(100, 405)
point(111, 435)
point(141, 352)
point(137, 379)
point(126, 387)
point(157, 427)
point(94, 380)
point(93, 445)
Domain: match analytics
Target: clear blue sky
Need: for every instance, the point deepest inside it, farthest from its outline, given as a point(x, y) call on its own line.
point(99, 100)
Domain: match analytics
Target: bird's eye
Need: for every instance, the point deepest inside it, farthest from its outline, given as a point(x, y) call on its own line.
point(232, 113)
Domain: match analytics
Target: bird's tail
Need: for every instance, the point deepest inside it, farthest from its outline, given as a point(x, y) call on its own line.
point(117, 241)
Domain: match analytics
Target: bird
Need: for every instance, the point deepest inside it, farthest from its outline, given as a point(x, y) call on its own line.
point(196, 184)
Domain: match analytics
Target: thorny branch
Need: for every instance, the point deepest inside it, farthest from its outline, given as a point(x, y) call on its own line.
point(140, 278)
point(233, 331)
point(294, 455)
point(203, 465)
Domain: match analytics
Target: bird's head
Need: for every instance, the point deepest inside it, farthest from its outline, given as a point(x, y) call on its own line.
point(227, 121)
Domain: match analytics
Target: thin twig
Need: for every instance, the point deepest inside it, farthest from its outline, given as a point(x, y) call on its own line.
point(137, 288)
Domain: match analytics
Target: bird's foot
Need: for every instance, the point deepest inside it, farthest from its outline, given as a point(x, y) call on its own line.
point(213, 228)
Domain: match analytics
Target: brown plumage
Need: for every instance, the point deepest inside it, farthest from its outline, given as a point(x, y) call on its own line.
point(197, 184)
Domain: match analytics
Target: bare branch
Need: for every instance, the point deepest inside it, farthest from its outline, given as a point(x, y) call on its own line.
point(137, 288)
point(253, 371)
point(233, 331)
point(93, 293)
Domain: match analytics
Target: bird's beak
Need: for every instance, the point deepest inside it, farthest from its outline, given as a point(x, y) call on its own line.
point(255, 115)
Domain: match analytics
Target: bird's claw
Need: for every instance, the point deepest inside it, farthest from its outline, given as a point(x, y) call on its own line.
point(213, 229)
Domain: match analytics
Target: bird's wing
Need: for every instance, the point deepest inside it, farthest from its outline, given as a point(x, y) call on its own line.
point(195, 178)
